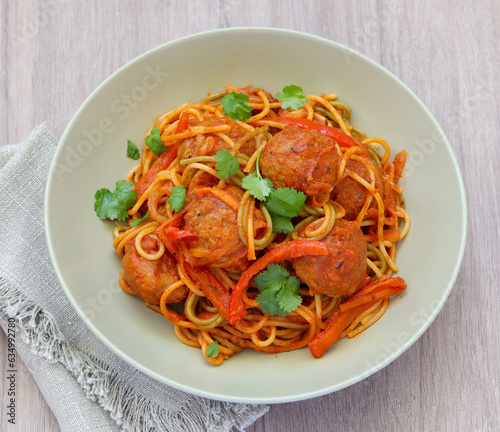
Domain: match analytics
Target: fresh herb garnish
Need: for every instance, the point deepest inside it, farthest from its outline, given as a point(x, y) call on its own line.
point(114, 205)
point(154, 142)
point(284, 204)
point(178, 198)
point(132, 150)
point(236, 106)
point(258, 186)
point(136, 222)
point(213, 349)
point(279, 291)
point(227, 165)
point(292, 97)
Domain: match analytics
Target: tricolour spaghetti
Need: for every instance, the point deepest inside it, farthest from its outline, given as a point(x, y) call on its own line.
point(197, 265)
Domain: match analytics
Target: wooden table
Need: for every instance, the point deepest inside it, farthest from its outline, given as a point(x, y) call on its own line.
point(53, 54)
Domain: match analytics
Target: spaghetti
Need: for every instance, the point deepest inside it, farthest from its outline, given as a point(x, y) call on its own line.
point(197, 265)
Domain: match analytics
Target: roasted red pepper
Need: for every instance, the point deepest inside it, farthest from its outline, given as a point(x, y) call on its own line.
point(365, 297)
point(164, 160)
point(340, 137)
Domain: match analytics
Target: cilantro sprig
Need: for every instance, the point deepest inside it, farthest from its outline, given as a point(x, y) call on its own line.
point(154, 142)
point(283, 205)
point(136, 222)
point(227, 165)
point(178, 198)
point(292, 97)
point(132, 150)
point(279, 291)
point(237, 106)
point(114, 205)
point(258, 186)
point(213, 349)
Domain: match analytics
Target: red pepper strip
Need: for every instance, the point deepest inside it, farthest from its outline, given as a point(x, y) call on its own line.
point(183, 123)
point(399, 164)
point(214, 289)
point(164, 160)
point(291, 249)
point(378, 291)
point(162, 233)
point(365, 297)
point(337, 323)
point(161, 163)
point(340, 137)
point(173, 233)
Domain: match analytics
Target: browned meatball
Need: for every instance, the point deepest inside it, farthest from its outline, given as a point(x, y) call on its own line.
point(302, 159)
point(150, 278)
point(208, 145)
point(344, 267)
point(351, 194)
point(213, 217)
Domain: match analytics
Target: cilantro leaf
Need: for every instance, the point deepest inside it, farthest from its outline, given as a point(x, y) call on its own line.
point(132, 150)
point(154, 142)
point(288, 296)
point(279, 291)
point(271, 277)
point(269, 303)
point(258, 186)
point(283, 205)
point(227, 165)
point(286, 202)
point(292, 97)
point(136, 222)
point(213, 349)
point(178, 198)
point(281, 224)
point(114, 205)
point(236, 106)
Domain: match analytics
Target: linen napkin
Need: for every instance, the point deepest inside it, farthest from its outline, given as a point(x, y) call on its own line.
point(87, 386)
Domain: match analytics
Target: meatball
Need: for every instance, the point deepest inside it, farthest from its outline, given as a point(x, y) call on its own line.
point(150, 278)
point(351, 194)
point(302, 159)
point(339, 272)
point(213, 217)
point(208, 145)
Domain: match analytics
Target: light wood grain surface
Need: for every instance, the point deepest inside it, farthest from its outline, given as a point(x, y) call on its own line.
point(55, 53)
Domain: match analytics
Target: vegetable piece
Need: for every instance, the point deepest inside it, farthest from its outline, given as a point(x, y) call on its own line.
point(227, 165)
point(114, 205)
point(340, 137)
point(213, 349)
point(283, 205)
point(258, 186)
point(376, 291)
point(174, 233)
point(335, 326)
point(344, 315)
point(160, 164)
point(183, 124)
point(215, 290)
point(177, 199)
point(154, 142)
point(237, 106)
point(132, 150)
point(136, 222)
point(279, 291)
point(288, 250)
point(292, 97)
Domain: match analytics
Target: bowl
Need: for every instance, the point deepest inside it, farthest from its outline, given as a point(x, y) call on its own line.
point(91, 155)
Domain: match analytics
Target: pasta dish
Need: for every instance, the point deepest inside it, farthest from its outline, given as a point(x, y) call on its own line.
point(261, 221)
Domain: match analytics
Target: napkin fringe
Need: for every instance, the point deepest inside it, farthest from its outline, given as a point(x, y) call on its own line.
point(129, 409)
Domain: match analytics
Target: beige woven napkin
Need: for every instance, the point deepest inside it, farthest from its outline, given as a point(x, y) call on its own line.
point(86, 385)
